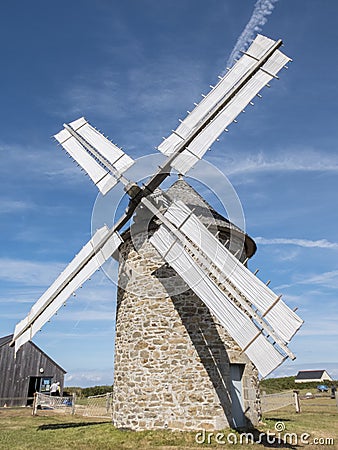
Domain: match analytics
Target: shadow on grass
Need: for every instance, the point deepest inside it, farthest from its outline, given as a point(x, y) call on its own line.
point(278, 444)
point(56, 426)
point(279, 419)
point(273, 440)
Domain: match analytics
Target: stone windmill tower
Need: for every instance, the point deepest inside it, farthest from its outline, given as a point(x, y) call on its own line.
point(194, 325)
point(175, 365)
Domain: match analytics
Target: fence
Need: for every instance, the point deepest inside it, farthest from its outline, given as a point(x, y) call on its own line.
point(96, 406)
point(93, 406)
point(57, 404)
point(271, 402)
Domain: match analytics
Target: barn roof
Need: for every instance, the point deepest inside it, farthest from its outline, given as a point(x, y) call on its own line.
point(7, 339)
point(309, 374)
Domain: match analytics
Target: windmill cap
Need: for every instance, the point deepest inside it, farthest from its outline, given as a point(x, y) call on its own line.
point(183, 191)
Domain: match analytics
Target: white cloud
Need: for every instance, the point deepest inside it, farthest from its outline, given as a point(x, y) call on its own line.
point(287, 255)
point(85, 378)
point(155, 88)
point(320, 243)
point(88, 95)
point(27, 272)
point(258, 19)
point(8, 206)
point(85, 315)
point(102, 290)
point(321, 280)
point(44, 163)
point(94, 302)
point(291, 161)
point(73, 333)
point(326, 325)
point(19, 295)
point(325, 279)
point(88, 315)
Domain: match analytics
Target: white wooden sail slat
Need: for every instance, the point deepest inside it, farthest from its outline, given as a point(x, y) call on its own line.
point(275, 64)
point(261, 350)
point(101, 178)
point(87, 146)
point(113, 154)
point(259, 46)
point(257, 49)
point(281, 318)
point(214, 129)
point(86, 262)
point(235, 321)
point(22, 339)
point(78, 123)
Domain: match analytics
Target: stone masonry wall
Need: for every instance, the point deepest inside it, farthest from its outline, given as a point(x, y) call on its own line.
point(171, 357)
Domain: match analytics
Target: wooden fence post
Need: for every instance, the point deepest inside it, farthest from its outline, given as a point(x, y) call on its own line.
point(297, 403)
point(73, 403)
point(35, 404)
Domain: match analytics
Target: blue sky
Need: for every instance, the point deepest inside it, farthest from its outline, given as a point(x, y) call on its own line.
point(132, 69)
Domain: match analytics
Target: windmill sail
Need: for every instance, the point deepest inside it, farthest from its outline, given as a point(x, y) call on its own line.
point(270, 306)
point(260, 351)
point(252, 314)
point(92, 256)
point(101, 159)
point(195, 151)
point(257, 49)
point(224, 103)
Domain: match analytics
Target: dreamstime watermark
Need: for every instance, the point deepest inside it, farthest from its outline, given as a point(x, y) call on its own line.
point(279, 437)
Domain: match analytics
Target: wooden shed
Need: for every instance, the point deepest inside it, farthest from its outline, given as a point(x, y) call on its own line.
point(30, 371)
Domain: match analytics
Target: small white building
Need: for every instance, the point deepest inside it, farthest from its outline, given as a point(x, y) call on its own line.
point(307, 376)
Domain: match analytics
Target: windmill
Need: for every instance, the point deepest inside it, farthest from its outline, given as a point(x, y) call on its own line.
point(239, 303)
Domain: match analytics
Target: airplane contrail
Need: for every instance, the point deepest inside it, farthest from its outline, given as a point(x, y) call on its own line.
point(258, 19)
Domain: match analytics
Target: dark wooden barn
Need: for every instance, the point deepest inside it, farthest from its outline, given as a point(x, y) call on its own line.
point(30, 371)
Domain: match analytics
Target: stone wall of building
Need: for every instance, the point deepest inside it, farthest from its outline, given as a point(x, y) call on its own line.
point(171, 358)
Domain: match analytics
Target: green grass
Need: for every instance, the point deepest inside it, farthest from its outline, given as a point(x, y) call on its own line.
point(19, 430)
point(318, 417)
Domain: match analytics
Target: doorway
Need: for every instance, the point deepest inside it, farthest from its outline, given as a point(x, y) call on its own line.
point(236, 394)
point(33, 386)
point(38, 384)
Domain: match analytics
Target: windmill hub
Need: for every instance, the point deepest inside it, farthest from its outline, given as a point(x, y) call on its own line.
point(132, 189)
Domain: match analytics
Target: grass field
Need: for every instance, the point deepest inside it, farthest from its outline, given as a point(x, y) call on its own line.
point(49, 431)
